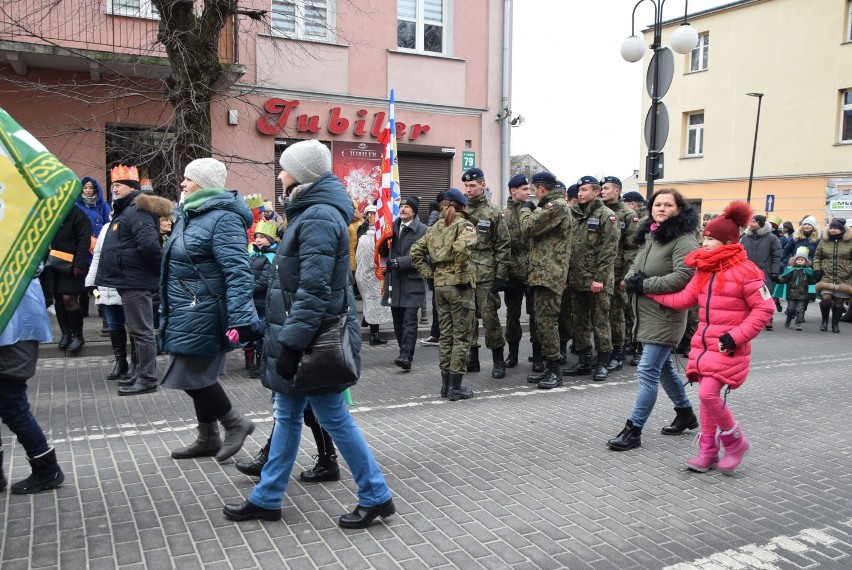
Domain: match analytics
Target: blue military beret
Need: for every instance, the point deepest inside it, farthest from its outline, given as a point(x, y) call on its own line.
point(473, 174)
point(560, 185)
point(543, 178)
point(588, 180)
point(455, 195)
point(610, 180)
point(573, 190)
point(633, 196)
point(518, 180)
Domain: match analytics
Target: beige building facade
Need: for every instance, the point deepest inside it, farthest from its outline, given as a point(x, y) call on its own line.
point(798, 54)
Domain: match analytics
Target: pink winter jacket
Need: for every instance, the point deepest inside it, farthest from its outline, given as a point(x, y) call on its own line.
point(742, 308)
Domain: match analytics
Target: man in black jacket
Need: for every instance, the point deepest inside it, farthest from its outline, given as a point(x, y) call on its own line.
point(404, 290)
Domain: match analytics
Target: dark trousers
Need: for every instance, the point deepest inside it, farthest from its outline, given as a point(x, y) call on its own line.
point(139, 318)
point(405, 329)
point(19, 362)
point(796, 309)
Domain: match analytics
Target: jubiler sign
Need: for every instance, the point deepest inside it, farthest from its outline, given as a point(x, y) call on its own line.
point(278, 113)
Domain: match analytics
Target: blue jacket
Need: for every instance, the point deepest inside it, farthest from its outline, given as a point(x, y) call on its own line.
point(212, 238)
point(311, 281)
point(99, 213)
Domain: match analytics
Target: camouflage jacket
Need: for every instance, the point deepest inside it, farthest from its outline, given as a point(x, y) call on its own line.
point(628, 222)
point(492, 253)
point(549, 230)
point(448, 250)
point(520, 246)
point(595, 243)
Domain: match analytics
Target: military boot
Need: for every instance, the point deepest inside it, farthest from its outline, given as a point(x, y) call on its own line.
point(445, 383)
point(537, 377)
point(473, 359)
point(553, 375)
point(118, 340)
point(537, 358)
point(601, 369)
point(457, 391)
point(499, 370)
point(512, 360)
point(583, 366)
point(616, 360)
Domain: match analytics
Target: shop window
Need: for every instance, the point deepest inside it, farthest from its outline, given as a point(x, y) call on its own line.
point(421, 25)
point(846, 116)
point(304, 19)
point(699, 55)
point(133, 9)
point(695, 134)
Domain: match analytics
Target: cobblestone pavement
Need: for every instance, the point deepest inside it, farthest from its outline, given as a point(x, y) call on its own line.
point(515, 478)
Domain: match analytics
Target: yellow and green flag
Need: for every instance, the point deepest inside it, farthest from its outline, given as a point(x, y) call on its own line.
point(36, 193)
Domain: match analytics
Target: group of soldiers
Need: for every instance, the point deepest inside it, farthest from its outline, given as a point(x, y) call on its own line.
point(566, 255)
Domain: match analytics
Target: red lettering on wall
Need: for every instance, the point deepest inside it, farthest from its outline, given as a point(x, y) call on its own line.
point(400, 129)
point(307, 124)
point(336, 124)
point(417, 130)
point(360, 123)
point(269, 126)
point(378, 124)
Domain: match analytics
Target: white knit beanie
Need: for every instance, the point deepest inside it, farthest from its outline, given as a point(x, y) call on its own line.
point(306, 161)
point(206, 172)
point(809, 220)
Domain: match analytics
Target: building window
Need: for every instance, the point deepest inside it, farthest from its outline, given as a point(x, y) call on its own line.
point(304, 19)
point(846, 116)
point(698, 56)
point(849, 22)
point(421, 25)
point(133, 9)
point(695, 134)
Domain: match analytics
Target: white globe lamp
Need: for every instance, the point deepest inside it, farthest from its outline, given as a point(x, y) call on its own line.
point(633, 49)
point(684, 39)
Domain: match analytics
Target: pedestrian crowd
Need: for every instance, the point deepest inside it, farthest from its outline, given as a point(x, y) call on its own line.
point(613, 275)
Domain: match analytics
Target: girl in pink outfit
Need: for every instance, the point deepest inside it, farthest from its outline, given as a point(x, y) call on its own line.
point(734, 306)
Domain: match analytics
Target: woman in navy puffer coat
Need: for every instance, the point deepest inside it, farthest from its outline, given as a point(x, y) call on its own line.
point(311, 284)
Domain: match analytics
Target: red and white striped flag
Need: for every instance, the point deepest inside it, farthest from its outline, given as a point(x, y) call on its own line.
point(387, 205)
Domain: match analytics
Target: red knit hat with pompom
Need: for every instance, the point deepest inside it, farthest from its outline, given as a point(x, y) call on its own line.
point(726, 228)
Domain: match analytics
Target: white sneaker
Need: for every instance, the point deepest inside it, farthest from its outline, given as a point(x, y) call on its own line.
point(430, 341)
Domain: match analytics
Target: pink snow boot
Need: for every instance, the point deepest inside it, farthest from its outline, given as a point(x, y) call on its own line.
point(708, 454)
point(736, 445)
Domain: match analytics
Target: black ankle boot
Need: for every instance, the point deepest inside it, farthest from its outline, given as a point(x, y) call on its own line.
point(375, 337)
point(825, 315)
point(207, 443)
point(46, 475)
point(835, 319)
point(616, 359)
point(499, 370)
point(684, 419)
point(553, 375)
point(255, 466)
point(75, 323)
point(326, 469)
point(473, 359)
point(249, 511)
point(512, 359)
point(457, 391)
point(445, 383)
point(583, 366)
point(118, 340)
point(601, 369)
point(629, 438)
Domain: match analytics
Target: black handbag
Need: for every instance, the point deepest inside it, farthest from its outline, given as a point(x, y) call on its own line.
point(60, 261)
point(329, 360)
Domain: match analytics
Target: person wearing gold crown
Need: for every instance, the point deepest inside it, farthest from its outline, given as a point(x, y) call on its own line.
point(130, 263)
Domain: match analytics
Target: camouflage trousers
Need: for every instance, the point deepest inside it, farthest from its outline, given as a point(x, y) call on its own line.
point(566, 317)
point(547, 305)
point(514, 297)
point(487, 304)
point(456, 316)
point(591, 318)
point(617, 306)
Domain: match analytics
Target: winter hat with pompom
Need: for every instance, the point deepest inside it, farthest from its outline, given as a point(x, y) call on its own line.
point(726, 228)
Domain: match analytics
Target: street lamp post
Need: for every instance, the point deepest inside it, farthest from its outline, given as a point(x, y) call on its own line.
point(754, 148)
point(660, 74)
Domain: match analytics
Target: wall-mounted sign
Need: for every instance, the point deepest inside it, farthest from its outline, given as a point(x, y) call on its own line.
point(278, 113)
point(468, 159)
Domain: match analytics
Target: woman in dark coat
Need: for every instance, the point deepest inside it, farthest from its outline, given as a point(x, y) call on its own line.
point(92, 202)
point(311, 284)
point(205, 272)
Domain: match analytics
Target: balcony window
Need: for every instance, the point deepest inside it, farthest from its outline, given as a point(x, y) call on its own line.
point(304, 19)
point(698, 56)
point(422, 25)
point(133, 9)
point(846, 116)
point(695, 134)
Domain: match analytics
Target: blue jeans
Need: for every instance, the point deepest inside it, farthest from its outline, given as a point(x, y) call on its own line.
point(114, 315)
point(655, 368)
point(15, 413)
point(334, 417)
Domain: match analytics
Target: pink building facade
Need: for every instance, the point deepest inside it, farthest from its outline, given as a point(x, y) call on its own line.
point(89, 85)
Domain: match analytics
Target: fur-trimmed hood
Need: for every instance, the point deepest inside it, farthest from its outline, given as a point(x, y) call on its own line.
point(814, 237)
point(684, 223)
point(761, 232)
point(154, 204)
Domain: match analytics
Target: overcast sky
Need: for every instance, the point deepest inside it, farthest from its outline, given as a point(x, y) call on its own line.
point(581, 101)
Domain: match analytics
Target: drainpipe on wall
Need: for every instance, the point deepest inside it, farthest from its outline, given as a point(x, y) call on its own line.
point(504, 103)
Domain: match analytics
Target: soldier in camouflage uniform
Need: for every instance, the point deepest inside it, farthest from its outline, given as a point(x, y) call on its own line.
point(447, 246)
point(549, 231)
point(628, 221)
point(566, 317)
point(591, 277)
point(516, 292)
point(636, 202)
point(490, 258)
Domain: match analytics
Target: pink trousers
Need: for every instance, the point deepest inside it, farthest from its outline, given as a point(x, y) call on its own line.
point(714, 412)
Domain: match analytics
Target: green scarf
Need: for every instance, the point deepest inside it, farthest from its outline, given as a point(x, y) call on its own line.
point(197, 198)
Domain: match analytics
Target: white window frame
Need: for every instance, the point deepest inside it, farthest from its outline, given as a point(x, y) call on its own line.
point(848, 37)
point(698, 129)
point(300, 32)
point(420, 21)
point(845, 107)
point(702, 50)
point(146, 9)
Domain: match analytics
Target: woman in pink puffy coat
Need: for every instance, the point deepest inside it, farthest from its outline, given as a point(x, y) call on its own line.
point(734, 306)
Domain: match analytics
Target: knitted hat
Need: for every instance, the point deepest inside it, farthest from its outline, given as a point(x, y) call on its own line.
point(761, 220)
point(809, 220)
point(803, 252)
point(838, 224)
point(455, 195)
point(413, 202)
point(269, 229)
point(127, 175)
point(206, 172)
point(726, 228)
point(306, 161)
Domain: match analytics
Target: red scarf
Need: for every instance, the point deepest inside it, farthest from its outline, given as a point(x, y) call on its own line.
point(719, 261)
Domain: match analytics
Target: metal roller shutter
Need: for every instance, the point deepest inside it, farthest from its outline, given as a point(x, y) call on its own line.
point(424, 176)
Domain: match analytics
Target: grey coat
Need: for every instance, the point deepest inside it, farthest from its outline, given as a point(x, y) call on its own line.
point(404, 287)
point(764, 250)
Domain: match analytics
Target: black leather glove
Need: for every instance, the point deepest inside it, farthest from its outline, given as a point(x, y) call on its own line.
point(430, 282)
point(499, 285)
point(635, 283)
point(773, 277)
point(393, 263)
point(727, 344)
point(288, 362)
point(252, 332)
point(529, 205)
point(819, 274)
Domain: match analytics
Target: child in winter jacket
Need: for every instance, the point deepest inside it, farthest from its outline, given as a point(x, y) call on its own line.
point(797, 277)
point(263, 251)
point(734, 306)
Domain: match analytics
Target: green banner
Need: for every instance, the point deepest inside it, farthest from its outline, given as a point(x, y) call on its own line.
point(36, 193)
